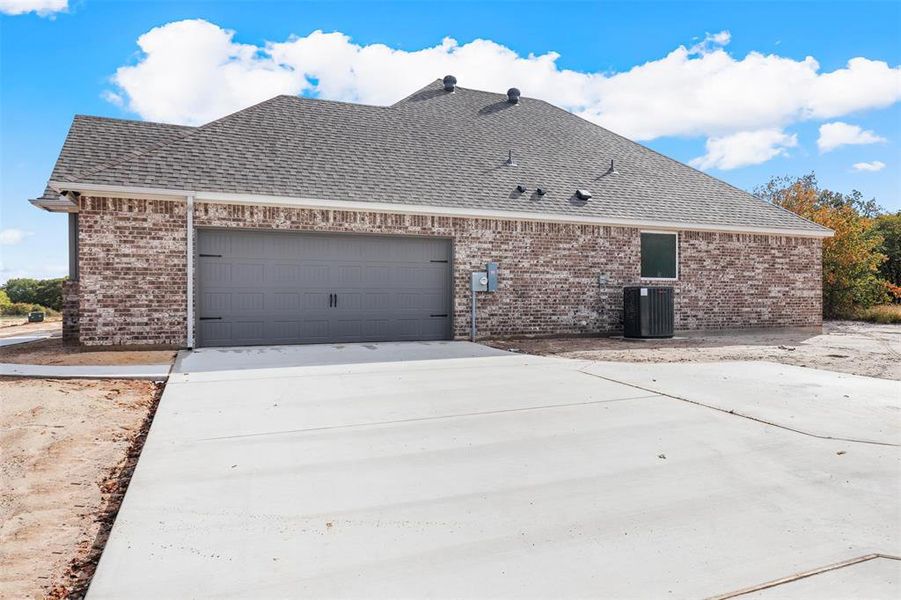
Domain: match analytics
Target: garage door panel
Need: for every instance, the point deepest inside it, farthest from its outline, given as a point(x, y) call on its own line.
point(285, 331)
point(214, 273)
point(315, 301)
point(314, 274)
point(284, 287)
point(348, 275)
point(315, 330)
point(249, 331)
point(247, 245)
point(244, 302)
point(433, 327)
point(213, 243)
point(286, 301)
point(216, 301)
point(248, 274)
point(377, 301)
point(215, 332)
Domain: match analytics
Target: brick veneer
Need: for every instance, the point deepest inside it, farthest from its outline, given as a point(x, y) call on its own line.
point(70, 311)
point(133, 270)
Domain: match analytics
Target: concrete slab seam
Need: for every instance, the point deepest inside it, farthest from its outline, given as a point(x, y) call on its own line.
point(804, 575)
point(420, 419)
point(743, 416)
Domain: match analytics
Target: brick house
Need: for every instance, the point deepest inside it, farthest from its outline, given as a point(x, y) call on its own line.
point(302, 220)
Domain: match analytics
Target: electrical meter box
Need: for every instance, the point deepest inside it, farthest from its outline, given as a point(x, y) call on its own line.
point(479, 281)
point(491, 269)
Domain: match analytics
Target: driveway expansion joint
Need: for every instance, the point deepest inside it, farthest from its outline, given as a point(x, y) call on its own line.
point(421, 419)
point(743, 416)
point(803, 575)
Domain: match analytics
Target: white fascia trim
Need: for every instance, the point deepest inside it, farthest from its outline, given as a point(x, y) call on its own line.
point(60, 205)
point(412, 209)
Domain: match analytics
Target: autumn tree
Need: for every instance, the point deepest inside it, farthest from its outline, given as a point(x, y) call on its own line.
point(888, 227)
point(851, 257)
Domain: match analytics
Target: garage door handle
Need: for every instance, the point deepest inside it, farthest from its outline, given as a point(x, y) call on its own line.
point(336, 300)
point(210, 318)
point(444, 315)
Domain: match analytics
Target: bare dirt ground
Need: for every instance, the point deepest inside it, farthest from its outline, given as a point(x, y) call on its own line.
point(854, 347)
point(7, 322)
point(67, 450)
point(54, 352)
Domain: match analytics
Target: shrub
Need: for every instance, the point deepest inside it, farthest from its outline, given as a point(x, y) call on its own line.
point(886, 313)
point(21, 309)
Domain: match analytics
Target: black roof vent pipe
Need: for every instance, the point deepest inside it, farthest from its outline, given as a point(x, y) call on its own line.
point(513, 95)
point(450, 83)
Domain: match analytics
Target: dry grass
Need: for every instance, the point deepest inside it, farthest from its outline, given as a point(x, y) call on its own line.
point(885, 313)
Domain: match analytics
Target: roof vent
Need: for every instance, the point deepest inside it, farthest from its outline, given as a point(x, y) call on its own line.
point(450, 83)
point(583, 194)
point(612, 170)
point(513, 95)
point(540, 191)
point(510, 161)
point(521, 189)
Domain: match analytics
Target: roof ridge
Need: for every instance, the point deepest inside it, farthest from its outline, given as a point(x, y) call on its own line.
point(330, 101)
point(140, 121)
point(456, 87)
point(78, 177)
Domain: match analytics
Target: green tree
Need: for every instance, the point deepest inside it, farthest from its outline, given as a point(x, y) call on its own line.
point(46, 292)
point(21, 290)
point(889, 229)
point(851, 257)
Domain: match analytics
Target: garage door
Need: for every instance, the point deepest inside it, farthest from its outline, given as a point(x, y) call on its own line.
point(292, 288)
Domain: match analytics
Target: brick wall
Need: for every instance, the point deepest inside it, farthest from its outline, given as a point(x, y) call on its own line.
point(70, 311)
point(132, 271)
point(133, 279)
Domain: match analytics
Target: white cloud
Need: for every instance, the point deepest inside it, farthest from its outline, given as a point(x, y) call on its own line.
point(744, 148)
point(12, 236)
point(833, 135)
point(41, 7)
point(36, 271)
point(876, 165)
point(194, 71)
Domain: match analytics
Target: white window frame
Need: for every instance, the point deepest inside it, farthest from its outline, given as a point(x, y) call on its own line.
point(658, 231)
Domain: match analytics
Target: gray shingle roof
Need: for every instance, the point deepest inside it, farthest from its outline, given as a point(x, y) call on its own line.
point(95, 141)
point(432, 149)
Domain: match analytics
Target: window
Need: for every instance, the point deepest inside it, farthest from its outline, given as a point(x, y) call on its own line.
point(658, 255)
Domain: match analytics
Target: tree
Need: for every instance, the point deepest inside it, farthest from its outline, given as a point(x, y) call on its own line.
point(21, 290)
point(889, 228)
point(46, 292)
point(852, 257)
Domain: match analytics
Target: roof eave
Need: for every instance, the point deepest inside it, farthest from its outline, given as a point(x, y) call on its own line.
point(89, 189)
point(62, 204)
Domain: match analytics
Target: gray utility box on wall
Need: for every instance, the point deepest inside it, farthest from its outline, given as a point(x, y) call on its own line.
point(647, 312)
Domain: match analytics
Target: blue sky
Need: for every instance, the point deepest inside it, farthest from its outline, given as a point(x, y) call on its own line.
point(727, 87)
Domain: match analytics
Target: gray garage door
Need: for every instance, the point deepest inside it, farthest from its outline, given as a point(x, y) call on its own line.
point(292, 288)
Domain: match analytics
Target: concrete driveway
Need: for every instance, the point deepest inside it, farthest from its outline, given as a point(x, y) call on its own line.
point(455, 470)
